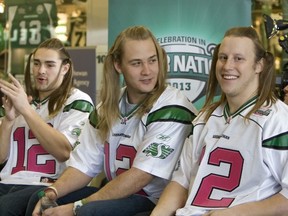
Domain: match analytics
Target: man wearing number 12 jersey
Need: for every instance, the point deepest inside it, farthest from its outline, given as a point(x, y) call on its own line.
point(38, 134)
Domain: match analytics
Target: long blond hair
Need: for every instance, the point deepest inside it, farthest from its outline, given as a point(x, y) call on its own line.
point(266, 86)
point(59, 95)
point(108, 111)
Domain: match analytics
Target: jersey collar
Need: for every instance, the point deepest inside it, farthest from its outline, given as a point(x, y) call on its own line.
point(37, 103)
point(228, 116)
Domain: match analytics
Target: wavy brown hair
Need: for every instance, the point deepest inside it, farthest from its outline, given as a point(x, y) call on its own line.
point(108, 110)
point(266, 86)
point(59, 95)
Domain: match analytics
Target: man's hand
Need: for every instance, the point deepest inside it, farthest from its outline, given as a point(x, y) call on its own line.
point(36, 211)
point(15, 95)
point(10, 111)
point(63, 210)
point(48, 193)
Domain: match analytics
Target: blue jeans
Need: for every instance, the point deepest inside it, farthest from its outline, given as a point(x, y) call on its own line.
point(70, 198)
point(14, 198)
point(129, 206)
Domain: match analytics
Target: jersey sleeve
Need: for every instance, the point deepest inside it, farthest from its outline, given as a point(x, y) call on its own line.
point(275, 146)
point(88, 156)
point(278, 165)
point(182, 173)
point(74, 115)
point(167, 126)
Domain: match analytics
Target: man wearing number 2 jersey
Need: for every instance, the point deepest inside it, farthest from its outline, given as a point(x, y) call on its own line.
point(40, 126)
point(236, 160)
point(135, 134)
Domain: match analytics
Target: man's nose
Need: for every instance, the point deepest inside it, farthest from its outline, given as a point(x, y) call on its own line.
point(145, 68)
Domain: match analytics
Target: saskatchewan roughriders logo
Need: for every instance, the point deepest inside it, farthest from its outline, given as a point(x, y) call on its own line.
point(189, 60)
point(158, 150)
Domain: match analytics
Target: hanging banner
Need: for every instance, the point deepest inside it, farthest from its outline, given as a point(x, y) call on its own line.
point(30, 21)
point(187, 29)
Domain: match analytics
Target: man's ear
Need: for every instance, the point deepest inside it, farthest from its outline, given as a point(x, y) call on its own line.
point(65, 68)
point(259, 66)
point(117, 67)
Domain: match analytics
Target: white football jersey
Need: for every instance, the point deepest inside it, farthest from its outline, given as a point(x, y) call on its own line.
point(229, 160)
point(28, 161)
point(151, 143)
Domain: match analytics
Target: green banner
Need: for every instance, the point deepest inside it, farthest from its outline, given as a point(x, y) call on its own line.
point(187, 29)
point(30, 21)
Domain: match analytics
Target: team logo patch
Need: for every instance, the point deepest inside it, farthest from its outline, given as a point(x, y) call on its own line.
point(158, 150)
point(76, 131)
point(262, 112)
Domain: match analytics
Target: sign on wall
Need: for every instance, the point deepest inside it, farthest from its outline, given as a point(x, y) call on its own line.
point(84, 61)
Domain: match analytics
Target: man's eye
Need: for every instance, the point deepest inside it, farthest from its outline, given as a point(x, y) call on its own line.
point(153, 60)
point(237, 59)
point(222, 58)
point(136, 63)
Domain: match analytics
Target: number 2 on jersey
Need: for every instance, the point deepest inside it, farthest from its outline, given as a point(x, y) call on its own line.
point(215, 181)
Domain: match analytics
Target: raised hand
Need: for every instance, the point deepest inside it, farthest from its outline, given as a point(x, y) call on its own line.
point(15, 100)
point(10, 111)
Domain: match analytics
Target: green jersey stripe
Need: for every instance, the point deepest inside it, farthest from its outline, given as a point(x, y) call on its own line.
point(278, 142)
point(93, 118)
point(81, 105)
point(171, 113)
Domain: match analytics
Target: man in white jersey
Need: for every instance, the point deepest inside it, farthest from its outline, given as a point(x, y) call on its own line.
point(136, 134)
point(236, 160)
point(40, 126)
